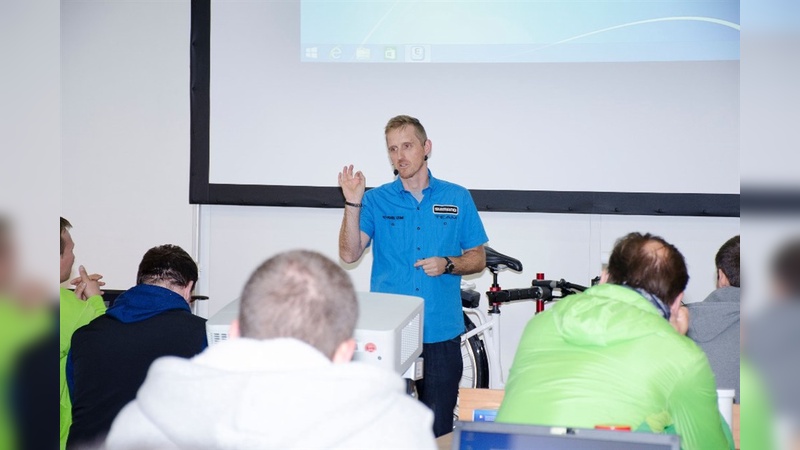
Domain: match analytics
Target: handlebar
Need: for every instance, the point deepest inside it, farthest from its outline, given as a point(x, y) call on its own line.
point(560, 284)
point(509, 295)
point(546, 290)
point(541, 290)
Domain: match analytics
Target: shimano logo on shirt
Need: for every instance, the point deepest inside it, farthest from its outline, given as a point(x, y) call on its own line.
point(445, 209)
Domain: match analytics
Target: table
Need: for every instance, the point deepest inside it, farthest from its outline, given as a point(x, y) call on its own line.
point(445, 441)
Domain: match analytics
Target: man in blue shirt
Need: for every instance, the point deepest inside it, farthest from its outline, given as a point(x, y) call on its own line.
point(425, 234)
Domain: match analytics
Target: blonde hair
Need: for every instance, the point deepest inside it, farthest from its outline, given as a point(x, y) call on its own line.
point(403, 121)
point(300, 294)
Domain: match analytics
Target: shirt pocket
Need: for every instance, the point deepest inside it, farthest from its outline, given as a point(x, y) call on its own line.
point(445, 236)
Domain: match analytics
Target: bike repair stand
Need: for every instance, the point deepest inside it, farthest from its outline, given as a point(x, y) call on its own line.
point(495, 330)
point(495, 287)
point(540, 300)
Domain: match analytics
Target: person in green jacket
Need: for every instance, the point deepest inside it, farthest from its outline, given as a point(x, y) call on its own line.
point(612, 355)
point(25, 317)
point(757, 422)
point(77, 309)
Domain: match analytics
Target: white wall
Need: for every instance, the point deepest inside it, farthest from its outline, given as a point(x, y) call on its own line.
point(29, 134)
point(125, 168)
point(125, 131)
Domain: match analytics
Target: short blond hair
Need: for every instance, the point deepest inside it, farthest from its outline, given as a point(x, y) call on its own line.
point(403, 121)
point(300, 294)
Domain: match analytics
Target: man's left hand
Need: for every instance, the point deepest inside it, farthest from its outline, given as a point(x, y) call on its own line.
point(433, 266)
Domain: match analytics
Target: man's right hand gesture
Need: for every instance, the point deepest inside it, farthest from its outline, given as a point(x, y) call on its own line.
point(353, 184)
point(87, 285)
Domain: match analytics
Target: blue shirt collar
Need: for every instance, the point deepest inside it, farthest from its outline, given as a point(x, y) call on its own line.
point(397, 185)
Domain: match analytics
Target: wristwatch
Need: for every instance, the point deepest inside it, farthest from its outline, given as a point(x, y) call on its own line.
point(450, 266)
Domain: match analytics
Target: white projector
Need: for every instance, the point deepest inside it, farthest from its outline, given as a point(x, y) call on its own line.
point(388, 332)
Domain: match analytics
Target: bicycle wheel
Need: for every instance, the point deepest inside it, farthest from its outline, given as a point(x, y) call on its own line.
point(476, 364)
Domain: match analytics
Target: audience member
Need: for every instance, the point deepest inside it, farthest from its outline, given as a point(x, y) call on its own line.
point(283, 381)
point(758, 418)
point(611, 356)
point(24, 322)
point(772, 340)
point(110, 356)
point(714, 323)
point(76, 309)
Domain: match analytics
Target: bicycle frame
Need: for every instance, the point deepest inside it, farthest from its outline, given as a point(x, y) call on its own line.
point(488, 329)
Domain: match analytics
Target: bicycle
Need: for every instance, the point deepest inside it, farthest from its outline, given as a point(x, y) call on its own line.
point(480, 344)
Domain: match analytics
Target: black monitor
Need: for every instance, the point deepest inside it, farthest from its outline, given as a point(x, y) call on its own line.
point(110, 296)
point(505, 436)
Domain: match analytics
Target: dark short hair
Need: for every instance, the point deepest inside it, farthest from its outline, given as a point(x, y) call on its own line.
point(65, 225)
point(167, 264)
point(786, 267)
point(727, 260)
point(303, 295)
point(403, 121)
point(648, 262)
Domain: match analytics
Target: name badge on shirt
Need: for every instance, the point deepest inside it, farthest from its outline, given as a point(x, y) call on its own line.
point(445, 209)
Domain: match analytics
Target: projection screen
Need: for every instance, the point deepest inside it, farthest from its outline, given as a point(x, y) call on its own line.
point(585, 107)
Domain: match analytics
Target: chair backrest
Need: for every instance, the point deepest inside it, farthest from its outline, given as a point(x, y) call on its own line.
point(470, 399)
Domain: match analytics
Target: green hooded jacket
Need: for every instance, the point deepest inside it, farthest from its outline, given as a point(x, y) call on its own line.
point(607, 357)
point(74, 313)
point(757, 422)
point(19, 327)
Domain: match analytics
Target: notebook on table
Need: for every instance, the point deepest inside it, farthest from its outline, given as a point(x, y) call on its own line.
point(497, 436)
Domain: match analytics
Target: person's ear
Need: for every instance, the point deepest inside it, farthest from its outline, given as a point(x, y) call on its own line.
point(234, 331)
point(344, 352)
point(186, 292)
point(679, 315)
point(676, 305)
point(428, 146)
point(722, 279)
point(604, 276)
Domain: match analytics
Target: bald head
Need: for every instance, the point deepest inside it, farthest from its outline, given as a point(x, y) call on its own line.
point(648, 262)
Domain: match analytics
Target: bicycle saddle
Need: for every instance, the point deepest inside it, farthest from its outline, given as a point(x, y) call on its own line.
point(498, 261)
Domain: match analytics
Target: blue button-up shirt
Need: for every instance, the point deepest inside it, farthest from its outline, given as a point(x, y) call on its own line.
point(403, 231)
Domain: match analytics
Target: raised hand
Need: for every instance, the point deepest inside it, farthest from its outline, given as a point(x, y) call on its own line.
point(87, 285)
point(95, 276)
point(353, 184)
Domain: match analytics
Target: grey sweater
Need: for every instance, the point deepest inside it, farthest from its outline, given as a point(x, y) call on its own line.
point(714, 326)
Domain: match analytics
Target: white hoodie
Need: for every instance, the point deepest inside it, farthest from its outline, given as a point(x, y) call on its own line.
point(270, 394)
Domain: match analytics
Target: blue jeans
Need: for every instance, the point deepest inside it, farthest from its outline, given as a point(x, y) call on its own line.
point(438, 388)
